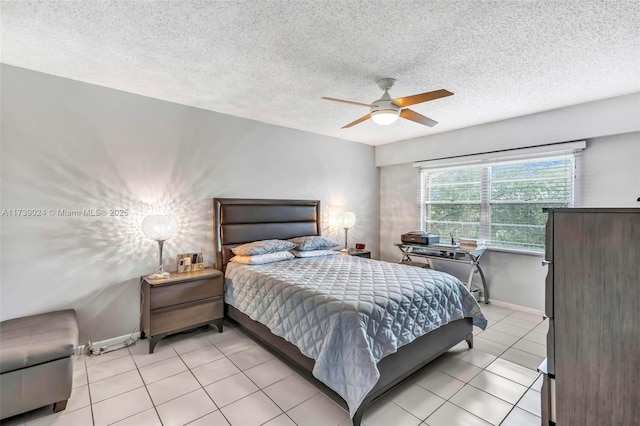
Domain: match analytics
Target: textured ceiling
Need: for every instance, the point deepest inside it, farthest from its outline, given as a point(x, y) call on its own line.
point(272, 60)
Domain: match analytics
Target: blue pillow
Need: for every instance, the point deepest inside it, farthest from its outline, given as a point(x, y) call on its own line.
point(262, 247)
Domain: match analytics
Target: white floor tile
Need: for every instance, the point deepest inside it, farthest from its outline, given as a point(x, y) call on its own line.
point(213, 419)
point(188, 345)
point(499, 386)
point(214, 371)
point(172, 387)
point(113, 386)
point(489, 346)
point(81, 417)
point(268, 373)
point(281, 420)
point(538, 338)
point(142, 357)
point(119, 394)
point(202, 356)
point(520, 323)
point(226, 391)
point(439, 383)
point(79, 362)
point(531, 347)
point(495, 313)
point(459, 369)
point(531, 401)
point(481, 404)
point(179, 337)
point(520, 417)
point(146, 418)
point(476, 357)
point(161, 370)
point(537, 385)
point(186, 408)
point(120, 407)
point(252, 410)
point(417, 400)
point(387, 414)
point(499, 337)
point(505, 328)
point(451, 415)
point(231, 342)
point(542, 328)
point(513, 372)
point(534, 318)
point(522, 358)
point(79, 398)
point(80, 377)
point(290, 392)
point(110, 368)
point(318, 411)
point(250, 357)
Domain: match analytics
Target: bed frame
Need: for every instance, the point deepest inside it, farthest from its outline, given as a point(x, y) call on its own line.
point(238, 221)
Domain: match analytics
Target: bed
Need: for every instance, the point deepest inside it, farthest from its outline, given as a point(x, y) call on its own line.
point(238, 221)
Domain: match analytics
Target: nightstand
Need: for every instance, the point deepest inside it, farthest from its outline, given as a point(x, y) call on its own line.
point(183, 301)
point(359, 253)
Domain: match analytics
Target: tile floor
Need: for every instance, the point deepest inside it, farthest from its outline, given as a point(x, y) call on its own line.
point(206, 378)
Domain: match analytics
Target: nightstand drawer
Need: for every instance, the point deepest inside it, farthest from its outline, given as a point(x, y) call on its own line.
point(182, 292)
point(177, 317)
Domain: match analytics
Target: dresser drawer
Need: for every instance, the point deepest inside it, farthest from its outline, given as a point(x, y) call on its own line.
point(186, 315)
point(183, 292)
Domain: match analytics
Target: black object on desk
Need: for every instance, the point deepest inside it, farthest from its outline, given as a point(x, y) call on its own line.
point(451, 253)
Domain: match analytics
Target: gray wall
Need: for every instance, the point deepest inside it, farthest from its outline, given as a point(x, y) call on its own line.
point(71, 145)
point(610, 178)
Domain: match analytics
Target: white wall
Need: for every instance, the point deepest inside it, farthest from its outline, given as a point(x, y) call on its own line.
point(610, 178)
point(586, 121)
point(71, 145)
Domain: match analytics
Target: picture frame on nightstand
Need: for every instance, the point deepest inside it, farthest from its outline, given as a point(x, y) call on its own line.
point(188, 262)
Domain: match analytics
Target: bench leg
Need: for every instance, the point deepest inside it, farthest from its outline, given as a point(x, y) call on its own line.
point(59, 406)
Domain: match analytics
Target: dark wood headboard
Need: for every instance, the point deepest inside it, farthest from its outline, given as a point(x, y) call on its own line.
point(242, 220)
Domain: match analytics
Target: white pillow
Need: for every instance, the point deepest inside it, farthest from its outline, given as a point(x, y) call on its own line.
point(260, 259)
point(313, 253)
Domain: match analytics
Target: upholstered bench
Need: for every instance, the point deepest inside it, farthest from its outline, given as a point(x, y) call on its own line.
point(36, 361)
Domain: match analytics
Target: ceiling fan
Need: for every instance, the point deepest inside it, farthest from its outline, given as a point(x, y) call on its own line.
point(385, 110)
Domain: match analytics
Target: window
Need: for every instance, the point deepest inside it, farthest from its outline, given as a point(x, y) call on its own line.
point(500, 202)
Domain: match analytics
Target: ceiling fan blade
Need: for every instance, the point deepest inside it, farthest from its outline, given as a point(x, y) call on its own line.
point(418, 118)
point(422, 97)
point(359, 120)
point(346, 102)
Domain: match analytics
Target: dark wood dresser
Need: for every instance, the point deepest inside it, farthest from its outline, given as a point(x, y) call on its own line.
point(592, 370)
point(181, 302)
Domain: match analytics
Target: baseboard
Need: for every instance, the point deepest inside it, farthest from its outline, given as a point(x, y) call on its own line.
point(515, 307)
point(115, 342)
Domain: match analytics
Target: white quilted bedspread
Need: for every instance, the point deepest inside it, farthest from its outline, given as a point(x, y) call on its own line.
point(348, 312)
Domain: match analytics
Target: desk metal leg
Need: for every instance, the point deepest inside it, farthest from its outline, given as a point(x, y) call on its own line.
point(484, 284)
point(476, 265)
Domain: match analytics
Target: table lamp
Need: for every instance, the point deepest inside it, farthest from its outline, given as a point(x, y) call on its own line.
point(160, 227)
point(346, 220)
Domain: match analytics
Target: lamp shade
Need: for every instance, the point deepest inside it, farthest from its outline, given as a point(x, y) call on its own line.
point(384, 117)
point(346, 220)
point(159, 227)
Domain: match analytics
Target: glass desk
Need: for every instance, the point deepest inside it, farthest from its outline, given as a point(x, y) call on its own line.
point(450, 254)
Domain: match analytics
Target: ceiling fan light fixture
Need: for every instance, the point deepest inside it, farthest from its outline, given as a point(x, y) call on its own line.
point(385, 117)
